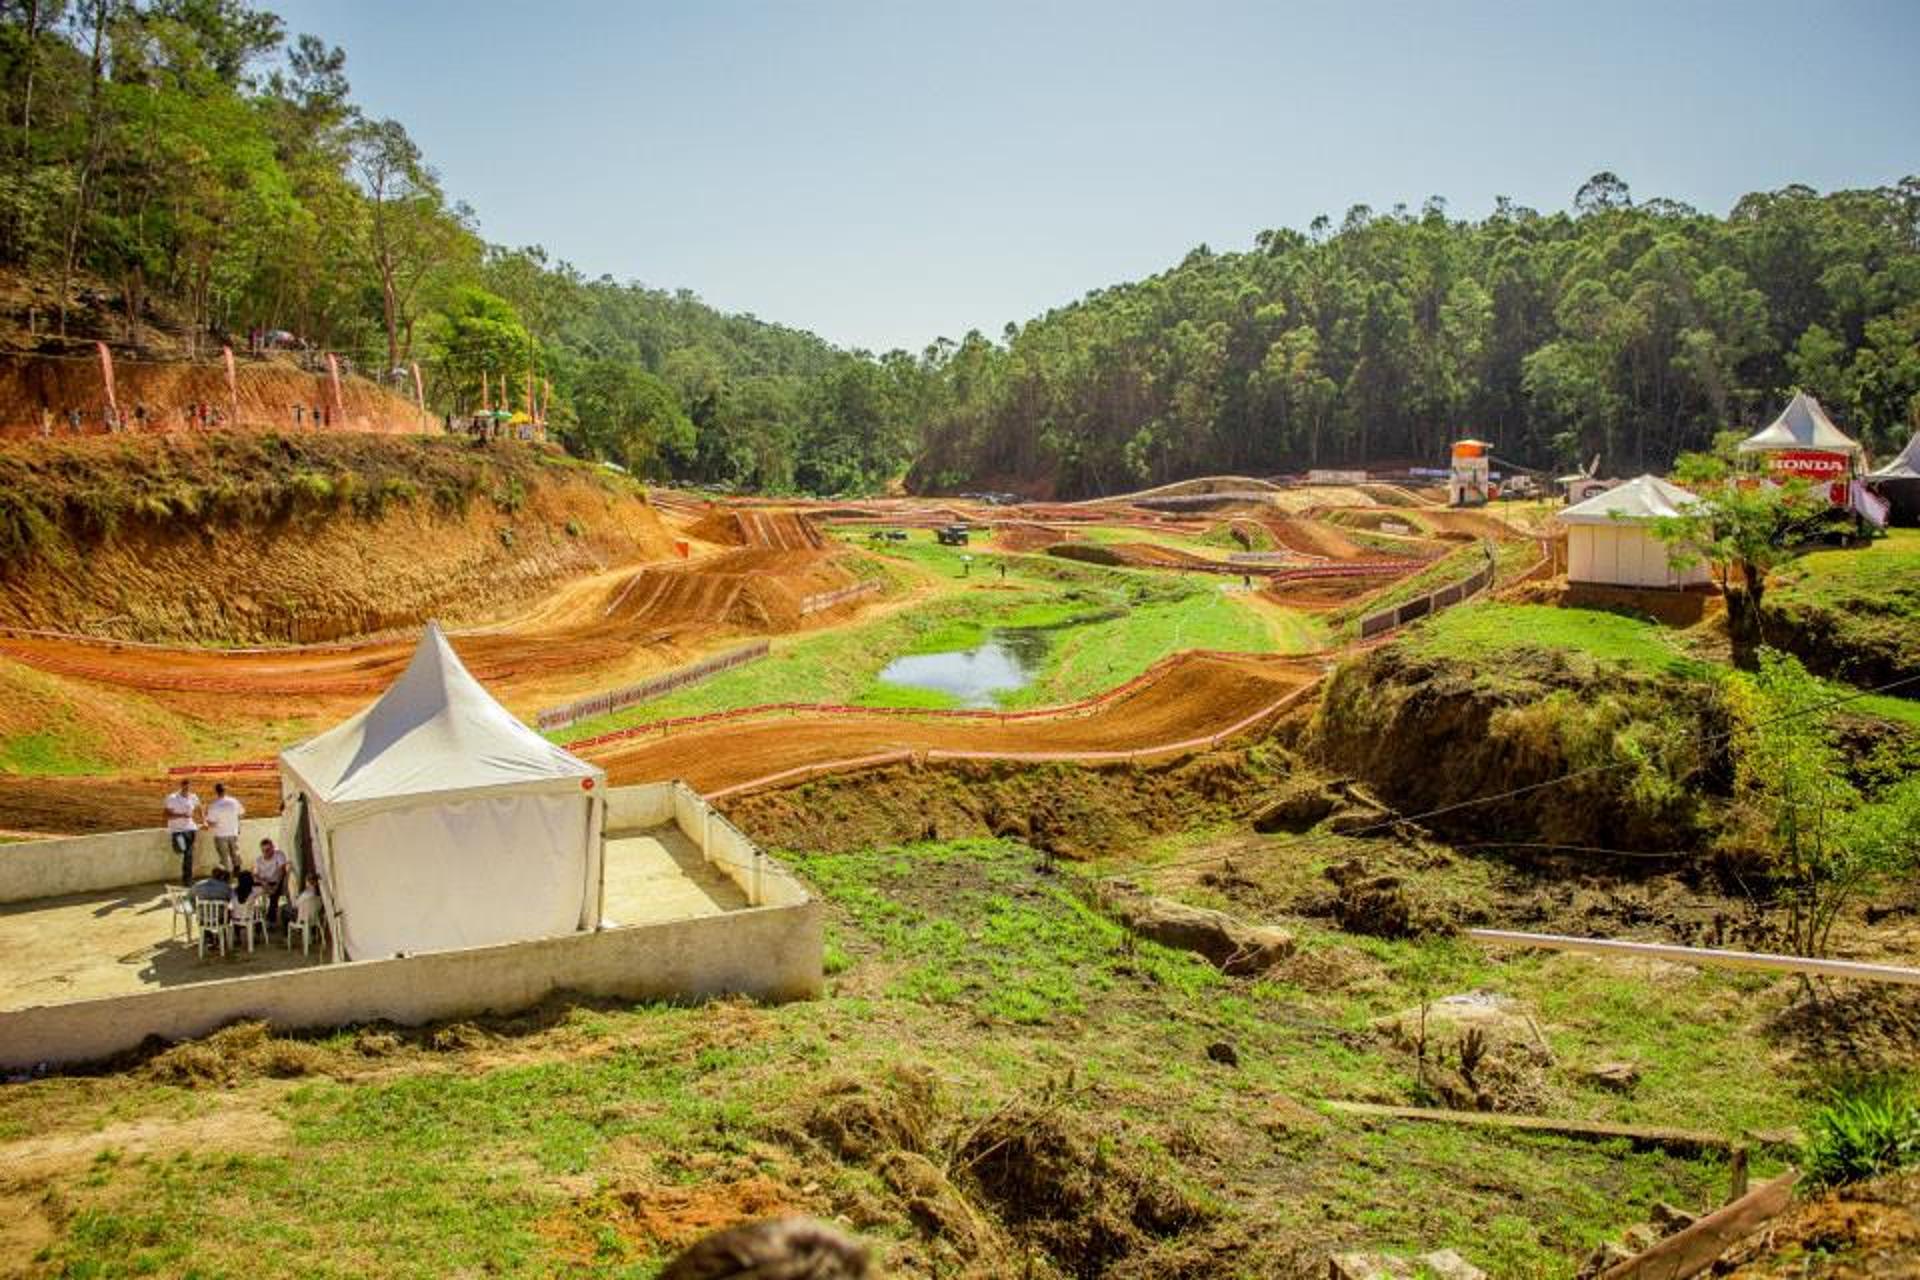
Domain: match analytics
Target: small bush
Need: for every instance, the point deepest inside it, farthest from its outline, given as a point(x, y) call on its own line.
point(575, 529)
point(1866, 1130)
point(311, 488)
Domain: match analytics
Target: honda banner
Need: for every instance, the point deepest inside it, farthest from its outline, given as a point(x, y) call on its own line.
point(1816, 467)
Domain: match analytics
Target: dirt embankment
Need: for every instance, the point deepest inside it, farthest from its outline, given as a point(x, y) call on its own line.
point(238, 538)
point(1615, 760)
point(39, 396)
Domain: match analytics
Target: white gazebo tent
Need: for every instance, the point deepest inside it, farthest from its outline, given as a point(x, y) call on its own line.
point(1802, 425)
point(1611, 540)
point(1898, 482)
point(438, 820)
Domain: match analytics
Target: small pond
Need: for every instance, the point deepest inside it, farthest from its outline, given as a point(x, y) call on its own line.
point(1005, 661)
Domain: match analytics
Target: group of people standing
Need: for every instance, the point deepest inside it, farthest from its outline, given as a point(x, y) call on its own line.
point(265, 884)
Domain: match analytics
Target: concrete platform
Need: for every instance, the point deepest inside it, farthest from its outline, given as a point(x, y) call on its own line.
point(658, 874)
point(86, 945)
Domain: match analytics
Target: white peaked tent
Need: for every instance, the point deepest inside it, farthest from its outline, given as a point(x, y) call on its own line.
point(437, 820)
point(1802, 425)
point(1610, 536)
point(1899, 483)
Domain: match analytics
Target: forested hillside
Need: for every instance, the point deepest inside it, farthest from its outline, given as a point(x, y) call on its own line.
point(184, 165)
point(1629, 330)
point(175, 167)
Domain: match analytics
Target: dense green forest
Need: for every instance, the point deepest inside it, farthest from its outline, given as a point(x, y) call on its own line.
point(1629, 330)
point(187, 157)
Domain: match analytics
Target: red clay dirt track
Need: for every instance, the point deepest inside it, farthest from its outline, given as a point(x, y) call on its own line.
point(1192, 696)
point(748, 589)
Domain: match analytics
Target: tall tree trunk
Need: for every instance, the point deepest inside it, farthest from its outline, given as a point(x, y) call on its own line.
point(26, 93)
point(81, 187)
point(389, 307)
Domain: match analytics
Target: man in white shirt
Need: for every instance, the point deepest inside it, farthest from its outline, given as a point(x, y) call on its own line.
point(183, 820)
point(270, 876)
point(224, 815)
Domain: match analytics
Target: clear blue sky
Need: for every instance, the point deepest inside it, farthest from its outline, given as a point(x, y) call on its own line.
point(885, 173)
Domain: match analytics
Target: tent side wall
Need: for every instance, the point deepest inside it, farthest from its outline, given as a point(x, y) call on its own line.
point(406, 879)
point(1627, 555)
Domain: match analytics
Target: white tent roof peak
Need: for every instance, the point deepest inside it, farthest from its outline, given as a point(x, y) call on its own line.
point(1803, 424)
point(1639, 500)
point(436, 731)
point(1905, 466)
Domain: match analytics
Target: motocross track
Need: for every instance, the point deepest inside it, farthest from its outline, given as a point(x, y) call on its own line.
point(587, 626)
point(1191, 696)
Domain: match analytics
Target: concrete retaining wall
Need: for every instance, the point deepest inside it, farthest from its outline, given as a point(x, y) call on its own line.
point(87, 864)
point(772, 953)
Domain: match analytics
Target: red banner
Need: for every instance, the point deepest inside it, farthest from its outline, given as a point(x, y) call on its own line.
point(106, 376)
point(1815, 466)
point(233, 385)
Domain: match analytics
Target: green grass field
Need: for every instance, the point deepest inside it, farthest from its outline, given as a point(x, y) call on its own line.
point(1480, 630)
point(566, 1148)
point(1143, 617)
point(1882, 577)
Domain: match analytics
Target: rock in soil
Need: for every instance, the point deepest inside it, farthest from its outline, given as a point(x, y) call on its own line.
point(1617, 1076)
point(1442, 1264)
point(1231, 945)
point(1224, 1053)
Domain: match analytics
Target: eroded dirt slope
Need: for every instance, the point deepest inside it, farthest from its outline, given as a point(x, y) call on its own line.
point(238, 539)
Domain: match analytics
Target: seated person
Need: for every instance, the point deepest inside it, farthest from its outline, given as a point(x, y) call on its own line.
point(214, 888)
point(270, 874)
point(307, 905)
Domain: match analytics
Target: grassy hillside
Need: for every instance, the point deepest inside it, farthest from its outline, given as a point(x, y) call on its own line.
point(1000, 1082)
point(1853, 614)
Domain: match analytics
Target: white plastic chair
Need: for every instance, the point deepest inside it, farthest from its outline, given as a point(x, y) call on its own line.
point(250, 915)
point(215, 916)
point(179, 910)
point(308, 920)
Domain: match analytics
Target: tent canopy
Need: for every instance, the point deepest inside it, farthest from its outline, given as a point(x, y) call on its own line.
point(1904, 467)
point(1803, 424)
point(437, 820)
point(1641, 500)
point(436, 731)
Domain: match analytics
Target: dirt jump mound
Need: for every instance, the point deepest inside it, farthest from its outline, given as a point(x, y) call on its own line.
point(781, 530)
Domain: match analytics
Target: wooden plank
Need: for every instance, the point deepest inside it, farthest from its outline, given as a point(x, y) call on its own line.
point(1678, 1141)
point(1693, 1249)
point(1856, 969)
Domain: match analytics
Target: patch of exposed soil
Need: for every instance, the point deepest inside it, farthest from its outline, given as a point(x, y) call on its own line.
point(1429, 733)
point(228, 540)
point(1071, 811)
point(1867, 1231)
point(1057, 1186)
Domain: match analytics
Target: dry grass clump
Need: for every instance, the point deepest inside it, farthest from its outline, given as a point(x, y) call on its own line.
point(235, 1053)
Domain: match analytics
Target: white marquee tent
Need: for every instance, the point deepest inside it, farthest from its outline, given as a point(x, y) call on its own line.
point(1610, 536)
point(1802, 425)
point(437, 820)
